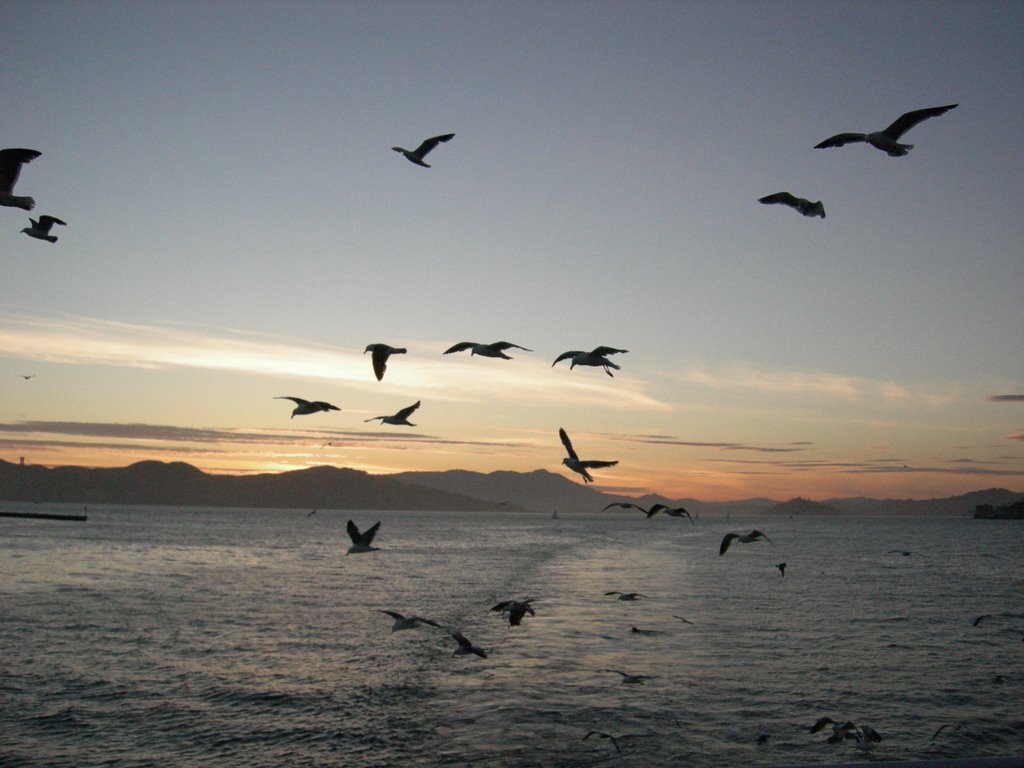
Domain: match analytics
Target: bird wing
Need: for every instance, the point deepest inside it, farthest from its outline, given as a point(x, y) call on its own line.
point(380, 360)
point(10, 165)
point(567, 355)
point(602, 351)
point(326, 406)
point(597, 464)
point(296, 400)
point(432, 142)
point(756, 533)
point(393, 614)
point(49, 221)
point(405, 413)
point(840, 139)
point(431, 622)
point(503, 345)
point(780, 197)
point(502, 606)
point(726, 541)
point(367, 536)
point(461, 639)
point(462, 346)
point(353, 531)
point(568, 444)
point(907, 121)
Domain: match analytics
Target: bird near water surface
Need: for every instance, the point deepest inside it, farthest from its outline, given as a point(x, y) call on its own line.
point(361, 540)
point(745, 538)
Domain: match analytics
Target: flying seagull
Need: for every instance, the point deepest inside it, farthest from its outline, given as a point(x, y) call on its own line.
point(11, 161)
point(670, 511)
point(573, 462)
point(603, 735)
point(887, 140)
point(26, 377)
point(782, 569)
point(626, 595)
point(40, 228)
point(407, 622)
point(806, 207)
point(402, 417)
point(381, 353)
point(496, 349)
point(417, 155)
point(516, 610)
point(305, 407)
point(630, 679)
point(630, 505)
point(465, 647)
point(848, 730)
point(361, 541)
point(597, 357)
point(904, 552)
point(745, 538)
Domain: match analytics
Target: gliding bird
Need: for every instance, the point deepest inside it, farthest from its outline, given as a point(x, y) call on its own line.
point(597, 357)
point(516, 610)
point(40, 228)
point(887, 140)
point(573, 462)
point(381, 353)
point(417, 155)
point(402, 417)
point(745, 538)
point(804, 206)
point(306, 407)
point(407, 622)
point(465, 647)
point(11, 161)
point(496, 349)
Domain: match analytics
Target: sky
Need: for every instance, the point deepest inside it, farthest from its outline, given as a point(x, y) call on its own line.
point(238, 229)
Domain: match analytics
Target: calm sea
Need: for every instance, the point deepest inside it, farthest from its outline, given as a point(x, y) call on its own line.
point(183, 637)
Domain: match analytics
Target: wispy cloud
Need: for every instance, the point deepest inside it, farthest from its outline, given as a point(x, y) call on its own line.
point(1006, 398)
point(727, 446)
point(81, 340)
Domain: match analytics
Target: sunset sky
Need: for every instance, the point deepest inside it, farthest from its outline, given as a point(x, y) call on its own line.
point(239, 229)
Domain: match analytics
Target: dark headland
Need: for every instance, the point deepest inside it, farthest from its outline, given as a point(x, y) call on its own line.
point(327, 487)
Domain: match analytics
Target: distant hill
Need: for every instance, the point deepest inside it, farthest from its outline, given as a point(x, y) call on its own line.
point(180, 484)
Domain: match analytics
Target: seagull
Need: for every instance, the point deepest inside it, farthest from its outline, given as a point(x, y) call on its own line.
point(407, 622)
point(516, 610)
point(745, 538)
point(417, 155)
point(11, 161)
point(361, 540)
point(381, 353)
point(497, 349)
point(603, 736)
point(977, 621)
point(630, 505)
point(305, 407)
point(466, 647)
point(572, 461)
point(887, 140)
point(782, 569)
point(402, 417)
point(597, 357)
point(806, 207)
point(626, 595)
point(638, 631)
point(904, 552)
point(848, 730)
point(685, 621)
point(40, 228)
point(27, 377)
point(670, 511)
point(630, 679)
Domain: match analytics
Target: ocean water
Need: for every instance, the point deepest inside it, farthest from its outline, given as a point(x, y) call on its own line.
point(183, 637)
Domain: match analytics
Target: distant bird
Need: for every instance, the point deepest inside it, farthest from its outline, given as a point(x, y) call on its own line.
point(516, 610)
point(603, 736)
point(638, 631)
point(29, 376)
point(381, 353)
point(465, 647)
point(313, 512)
point(400, 418)
point(806, 207)
point(685, 621)
point(361, 541)
point(670, 511)
point(305, 407)
point(11, 161)
point(955, 727)
point(978, 620)
point(782, 568)
point(630, 505)
point(848, 730)
point(597, 357)
point(626, 595)
point(763, 738)
point(407, 622)
point(496, 349)
point(745, 538)
point(904, 552)
point(40, 228)
point(630, 679)
point(573, 462)
point(417, 155)
point(887, 140)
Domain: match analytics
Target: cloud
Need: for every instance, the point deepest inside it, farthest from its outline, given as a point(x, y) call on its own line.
point(667, 440)
point(89, 341)
point(1006, 398)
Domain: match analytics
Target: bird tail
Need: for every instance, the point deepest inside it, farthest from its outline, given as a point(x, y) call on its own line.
point(900, 150)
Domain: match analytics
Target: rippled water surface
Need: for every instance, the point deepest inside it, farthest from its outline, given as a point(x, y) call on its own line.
point(156, 636)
